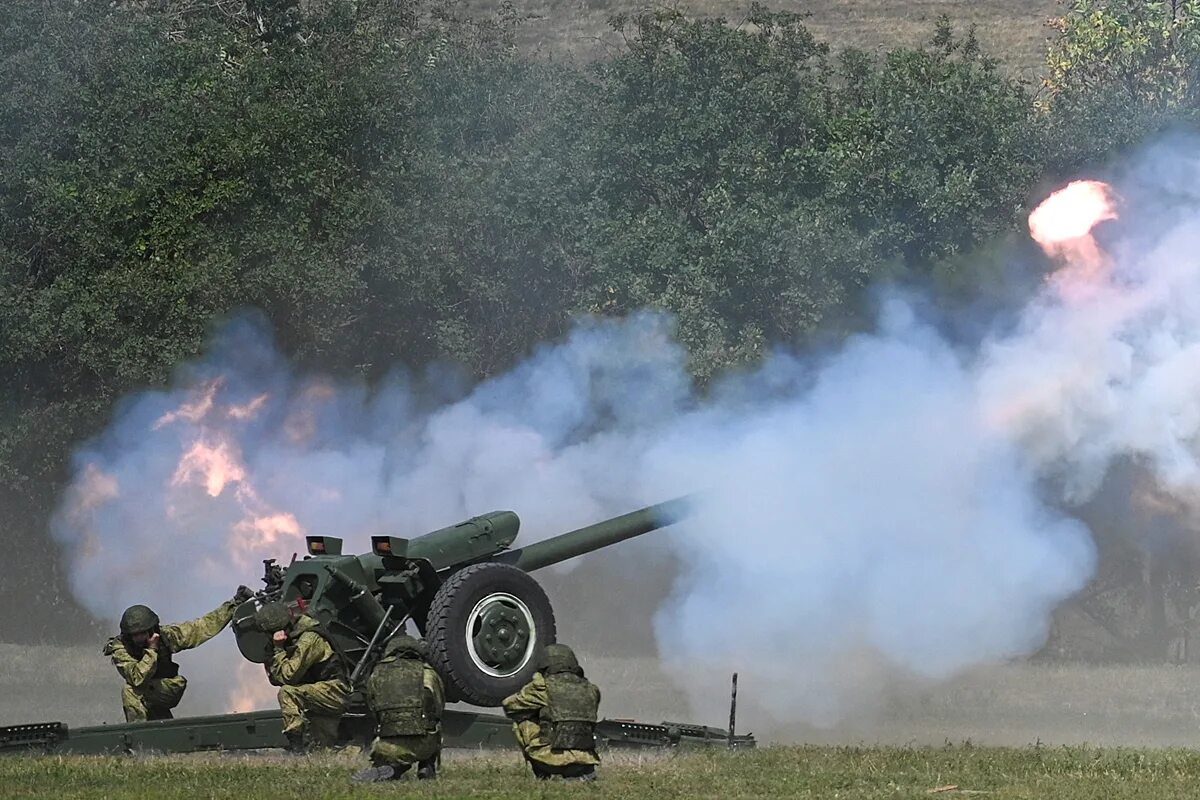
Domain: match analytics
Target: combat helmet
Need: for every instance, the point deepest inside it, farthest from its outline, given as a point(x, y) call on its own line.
point(138, 619)
point(273, 617)
point(405, 646)
point(558, 658)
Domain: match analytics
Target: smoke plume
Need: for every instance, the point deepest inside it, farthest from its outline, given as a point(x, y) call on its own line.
point(895, 511)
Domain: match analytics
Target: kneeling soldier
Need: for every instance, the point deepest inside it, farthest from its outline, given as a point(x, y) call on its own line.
point(554, 718)
point(142, 656)
point(313, 687)
point(406, 697)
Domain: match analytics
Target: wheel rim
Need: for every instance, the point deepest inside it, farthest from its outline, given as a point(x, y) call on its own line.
point(500, 635)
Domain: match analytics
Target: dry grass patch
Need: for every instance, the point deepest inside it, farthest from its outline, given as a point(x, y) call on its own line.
point(1013, 30)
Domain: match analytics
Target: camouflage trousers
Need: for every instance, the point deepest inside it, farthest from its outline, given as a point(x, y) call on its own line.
point(154, 699)
point(314, 709)
point(538, 753)
point(401, 752)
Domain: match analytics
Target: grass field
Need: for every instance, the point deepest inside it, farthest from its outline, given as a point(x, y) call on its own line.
point(825, 772)
point(1010, 705)
point(1014, 30)
point(909, 743)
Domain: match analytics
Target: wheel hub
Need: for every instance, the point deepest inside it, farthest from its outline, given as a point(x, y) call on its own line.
point(501, 634)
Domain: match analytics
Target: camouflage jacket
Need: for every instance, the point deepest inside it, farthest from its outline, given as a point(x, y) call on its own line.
point(307, 658)
point(525, 710)
point(172, 639)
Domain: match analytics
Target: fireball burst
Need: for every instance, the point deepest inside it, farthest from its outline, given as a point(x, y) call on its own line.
point(1062, 225)
point(215, 465)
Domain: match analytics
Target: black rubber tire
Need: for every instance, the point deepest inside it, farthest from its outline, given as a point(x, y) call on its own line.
point(446, 624)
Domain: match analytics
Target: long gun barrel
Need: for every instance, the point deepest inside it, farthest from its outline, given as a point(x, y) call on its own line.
point(602, 534)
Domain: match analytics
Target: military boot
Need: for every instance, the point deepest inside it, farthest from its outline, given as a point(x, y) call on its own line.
point(375, 775)
point(427, 770)
point(296, 744)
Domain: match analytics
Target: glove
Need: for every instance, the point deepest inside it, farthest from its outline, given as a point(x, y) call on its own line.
point(242, 594)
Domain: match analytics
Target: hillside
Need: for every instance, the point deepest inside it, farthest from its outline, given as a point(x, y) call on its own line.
point(1014, 30)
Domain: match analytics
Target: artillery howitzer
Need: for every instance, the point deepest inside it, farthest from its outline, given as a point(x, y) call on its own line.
point(471, 597)
point(482, 615)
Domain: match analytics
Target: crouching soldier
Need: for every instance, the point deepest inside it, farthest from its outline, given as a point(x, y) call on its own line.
point(554, 718)
point(313, 687)
point(143, 654)
point(406, 697)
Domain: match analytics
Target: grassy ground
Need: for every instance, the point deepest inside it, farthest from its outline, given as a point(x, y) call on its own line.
point(1063, 774)
point(1013, 30)
point(1017, 704)
point(1014, 704)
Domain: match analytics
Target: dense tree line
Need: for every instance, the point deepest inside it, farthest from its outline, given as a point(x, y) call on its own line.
point(391, 182)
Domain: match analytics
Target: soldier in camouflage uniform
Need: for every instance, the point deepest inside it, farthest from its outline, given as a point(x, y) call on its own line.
point(143, 654)
point(313, 687)
point(406, 697)
point(554, 717)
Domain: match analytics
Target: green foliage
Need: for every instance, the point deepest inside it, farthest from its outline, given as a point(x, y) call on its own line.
point(755, 189)
point(1117, 71)
point(936, 147)
point(475, 253)
point(708, 154)
point(1146, 53)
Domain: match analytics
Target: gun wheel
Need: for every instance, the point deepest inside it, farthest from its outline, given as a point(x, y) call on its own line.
point(485, 624)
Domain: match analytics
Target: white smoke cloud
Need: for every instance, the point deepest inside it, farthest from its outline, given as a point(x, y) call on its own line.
point(892, 512)
point(875, 519)
point(188, 487)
